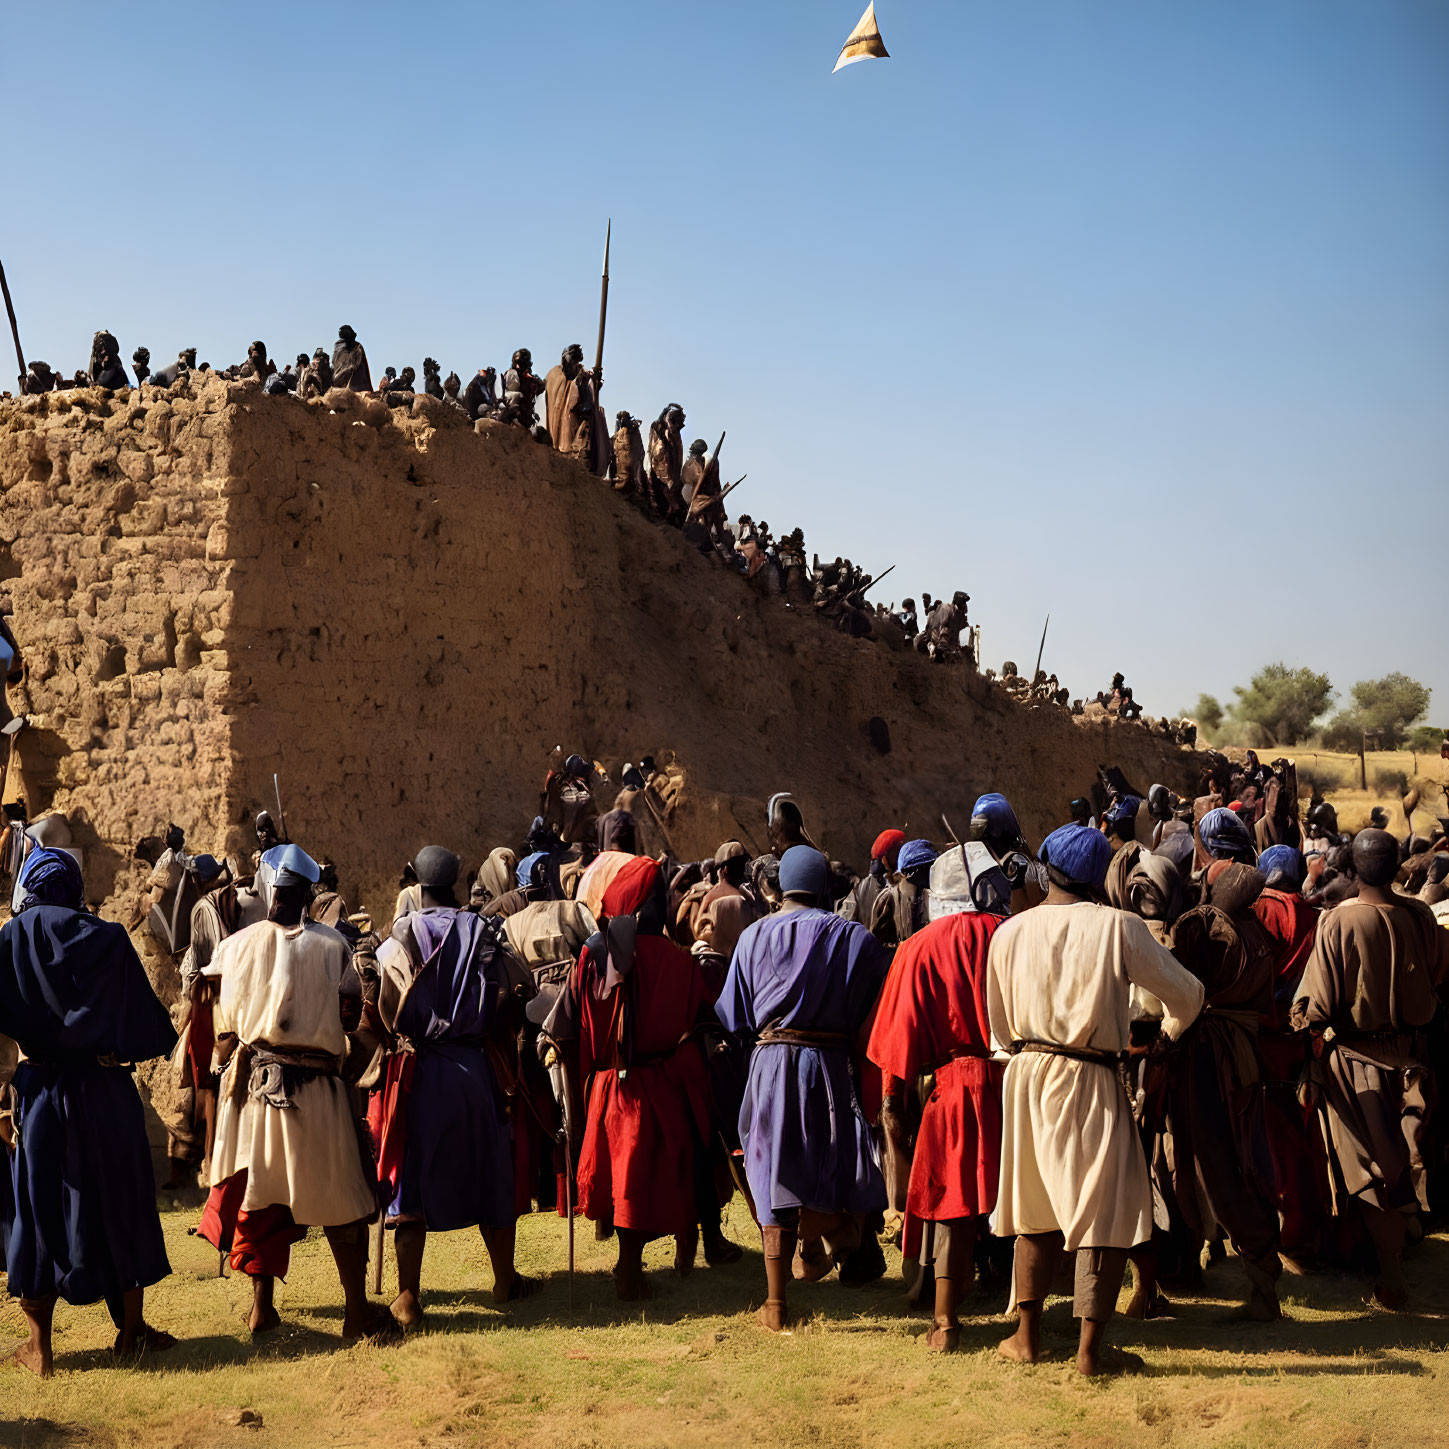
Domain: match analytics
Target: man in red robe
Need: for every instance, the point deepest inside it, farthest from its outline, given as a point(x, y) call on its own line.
point(1300, 1165)
point(634, 1003)
point(932, 1020)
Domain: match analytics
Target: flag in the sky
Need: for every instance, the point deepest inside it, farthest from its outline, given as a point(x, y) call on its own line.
point(864, 41)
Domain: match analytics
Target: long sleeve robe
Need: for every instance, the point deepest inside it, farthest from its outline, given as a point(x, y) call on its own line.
point(806, 1139)
point(1372, 984)
point(932, 1017)
point(1299, 1162)
point(1070, 1158)
point(279, 988)
point(77, 1194)
point(647, 1087)
point(445, 1150)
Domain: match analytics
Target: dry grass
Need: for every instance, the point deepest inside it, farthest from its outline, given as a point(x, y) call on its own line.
point(1339, 775)
point(690, 1368)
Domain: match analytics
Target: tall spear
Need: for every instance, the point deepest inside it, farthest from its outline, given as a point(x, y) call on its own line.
point(603, 312)
point(1044, 628)
point(15, 330)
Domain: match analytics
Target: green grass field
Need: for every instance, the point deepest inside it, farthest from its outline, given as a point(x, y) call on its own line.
point(690, 1367)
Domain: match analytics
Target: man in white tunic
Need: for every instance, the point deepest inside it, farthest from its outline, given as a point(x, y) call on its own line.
point(287, 1154)
point(1059, 996)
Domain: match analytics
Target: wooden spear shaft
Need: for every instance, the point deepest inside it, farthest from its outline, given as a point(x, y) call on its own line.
point(14, 326)
point(1041, 649)
point(603, 310)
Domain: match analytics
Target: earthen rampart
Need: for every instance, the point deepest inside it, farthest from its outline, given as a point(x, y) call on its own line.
point(401, 616)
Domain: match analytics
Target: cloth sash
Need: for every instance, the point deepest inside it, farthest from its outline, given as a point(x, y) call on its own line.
point(1077, 1054)
point(820, 1040)
point(274, 1076)
point(1114, 1061)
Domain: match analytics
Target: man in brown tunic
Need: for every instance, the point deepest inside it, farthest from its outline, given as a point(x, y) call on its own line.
point(349, 362)
point(628, 463)
point(1369, 995)
point(1219, 1168)
point(575, 421)
point(666, 460)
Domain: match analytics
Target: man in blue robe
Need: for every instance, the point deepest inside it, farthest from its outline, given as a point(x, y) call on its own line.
point(445, 1150)
point(78, 1215)
point(803, 983)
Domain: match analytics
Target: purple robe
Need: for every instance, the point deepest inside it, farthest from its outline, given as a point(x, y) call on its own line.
point(807, 1142)
point(457, 1168)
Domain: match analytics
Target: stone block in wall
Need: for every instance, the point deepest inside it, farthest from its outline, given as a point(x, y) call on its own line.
point(136, 465)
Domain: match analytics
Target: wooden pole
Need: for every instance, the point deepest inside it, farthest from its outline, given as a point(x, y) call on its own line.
point(14, 327)
point(1041, 648)
point(1362, 760)
point(603, 311)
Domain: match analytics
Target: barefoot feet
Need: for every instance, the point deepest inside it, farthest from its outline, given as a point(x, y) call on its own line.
point(1018, 1348)
point(33, 1357)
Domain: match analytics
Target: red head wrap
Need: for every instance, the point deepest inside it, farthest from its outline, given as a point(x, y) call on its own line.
point(887, 846)
point(633, 885)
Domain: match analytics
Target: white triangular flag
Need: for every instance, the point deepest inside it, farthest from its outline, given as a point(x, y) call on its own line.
point(864, 42)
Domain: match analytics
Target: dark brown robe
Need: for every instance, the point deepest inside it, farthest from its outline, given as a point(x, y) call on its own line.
point(1371, 989)
point(666, 465)
point(628, 462)
point(349, 367)
point(1221, 1165)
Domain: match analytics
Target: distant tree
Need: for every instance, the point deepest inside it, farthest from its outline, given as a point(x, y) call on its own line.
point(1426, 739)
point(1344, 731)
point(1207, 712)
point(1282, 702)
point(1388, 706)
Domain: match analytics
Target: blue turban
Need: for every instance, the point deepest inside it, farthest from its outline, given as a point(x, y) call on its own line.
point(6, 654)
point(48, 878)
point(1285, 864)
point(293, 862)
point(996, 813)
point(1079, 853)
point(524, 873)
point(804, 871)
point(207, 867)
point(1224, 836)
point(914, 854)
point(1124, 809)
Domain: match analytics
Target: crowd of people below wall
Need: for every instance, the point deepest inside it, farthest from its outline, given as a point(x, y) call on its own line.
point(677, 485)
point(1177, 1025)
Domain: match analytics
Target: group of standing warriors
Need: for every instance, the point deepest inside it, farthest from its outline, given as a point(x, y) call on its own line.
point(675, 482)
point(1137, 1043)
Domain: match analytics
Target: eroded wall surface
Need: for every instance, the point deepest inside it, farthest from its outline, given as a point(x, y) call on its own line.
point(109, 507)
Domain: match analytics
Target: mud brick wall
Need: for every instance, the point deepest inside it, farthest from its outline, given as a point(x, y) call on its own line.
point(107, 504)
point(402, 617)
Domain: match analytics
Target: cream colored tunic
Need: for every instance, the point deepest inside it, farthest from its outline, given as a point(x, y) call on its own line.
point(549, 931)
point(279, 986)
point(1070, 1157)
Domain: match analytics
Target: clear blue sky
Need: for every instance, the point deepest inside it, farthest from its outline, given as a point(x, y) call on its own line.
point(1137, 312)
